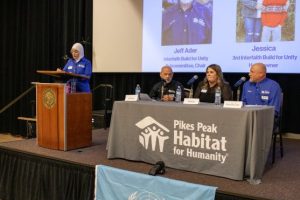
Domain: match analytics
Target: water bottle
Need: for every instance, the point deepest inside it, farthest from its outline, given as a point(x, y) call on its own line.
point(138, 90)
point(68, 87)
point(73, 86)
point(178, 94)
point(218, 96)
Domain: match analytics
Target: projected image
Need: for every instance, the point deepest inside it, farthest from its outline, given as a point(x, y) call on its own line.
point(265, 20)
point(186, 22)
point(157, 33)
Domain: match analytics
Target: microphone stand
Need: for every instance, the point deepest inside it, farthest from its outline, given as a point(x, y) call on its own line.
point(191, 92)
point(238, 92)
point(162, 90)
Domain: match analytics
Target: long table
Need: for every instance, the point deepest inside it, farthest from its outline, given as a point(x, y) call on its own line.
point(205, 138)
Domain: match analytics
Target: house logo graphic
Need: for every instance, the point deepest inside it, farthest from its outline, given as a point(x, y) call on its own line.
point(152, 132)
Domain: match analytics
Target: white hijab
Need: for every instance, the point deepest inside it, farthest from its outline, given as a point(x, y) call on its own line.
point(79, 48)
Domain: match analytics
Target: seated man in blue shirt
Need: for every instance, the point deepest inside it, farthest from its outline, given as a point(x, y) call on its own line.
point(260, 90)
point(187, 22)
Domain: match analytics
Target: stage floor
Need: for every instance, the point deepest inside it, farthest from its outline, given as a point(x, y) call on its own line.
point(280, 181)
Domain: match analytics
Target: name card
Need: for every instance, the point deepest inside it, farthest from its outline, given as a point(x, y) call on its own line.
point(233, 104)
point(131, 97)
point(191, 101)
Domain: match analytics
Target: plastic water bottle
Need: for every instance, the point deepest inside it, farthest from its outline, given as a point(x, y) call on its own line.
point(73, 86)
point(68, 87)
point(218, 96)
point(178, 94)
point(138, 90)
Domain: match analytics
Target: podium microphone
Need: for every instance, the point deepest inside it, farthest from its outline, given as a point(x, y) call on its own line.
point(158, 168)
point(65, 57)
point(240, 82)
point(192, 80)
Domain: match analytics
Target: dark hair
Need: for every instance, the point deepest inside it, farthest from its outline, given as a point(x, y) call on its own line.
point(218, 70)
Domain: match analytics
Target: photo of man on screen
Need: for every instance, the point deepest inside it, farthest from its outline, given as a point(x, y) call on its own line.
point(187, 22)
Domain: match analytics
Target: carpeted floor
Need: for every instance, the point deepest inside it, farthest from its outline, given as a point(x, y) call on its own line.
point(6, 137)
point(280, 181)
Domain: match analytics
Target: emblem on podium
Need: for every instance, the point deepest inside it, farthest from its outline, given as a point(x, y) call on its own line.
point(49, 98)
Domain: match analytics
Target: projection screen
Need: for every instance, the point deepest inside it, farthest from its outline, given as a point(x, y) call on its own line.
point(143, 35)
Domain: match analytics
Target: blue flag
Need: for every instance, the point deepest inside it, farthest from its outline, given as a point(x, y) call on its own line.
point(117, 184)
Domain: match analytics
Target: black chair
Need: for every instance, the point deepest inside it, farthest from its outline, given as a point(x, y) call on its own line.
point(103, 101)
point(277, 133)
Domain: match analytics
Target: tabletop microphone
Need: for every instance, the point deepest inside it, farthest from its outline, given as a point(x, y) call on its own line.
point(239, 82)
point(192, 80)
point(158, 168)
point(162, 89)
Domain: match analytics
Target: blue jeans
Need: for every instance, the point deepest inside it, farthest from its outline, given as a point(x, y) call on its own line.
point(252, 29)
point(272, 34)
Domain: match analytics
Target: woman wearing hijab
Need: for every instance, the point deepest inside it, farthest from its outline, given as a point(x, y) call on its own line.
point(78, 64)
point(213, 79)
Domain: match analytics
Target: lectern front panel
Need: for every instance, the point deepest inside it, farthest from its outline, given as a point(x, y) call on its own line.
point(64, 121)
point(51, 100)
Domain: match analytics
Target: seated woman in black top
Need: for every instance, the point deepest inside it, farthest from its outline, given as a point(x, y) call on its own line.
point(214, 78)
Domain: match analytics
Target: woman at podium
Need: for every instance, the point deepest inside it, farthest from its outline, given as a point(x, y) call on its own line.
point(80, 65)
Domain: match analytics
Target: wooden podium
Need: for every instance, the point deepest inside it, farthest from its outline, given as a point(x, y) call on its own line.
point(63, 120)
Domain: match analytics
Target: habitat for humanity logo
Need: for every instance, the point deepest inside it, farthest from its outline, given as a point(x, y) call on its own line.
point(152, 131)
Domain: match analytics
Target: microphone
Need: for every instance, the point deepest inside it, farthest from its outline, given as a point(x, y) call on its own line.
point(192, 80)
point(239, 82)
point(158, 168)
point(164, 82)
point(65, 57)
point(162, 89)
